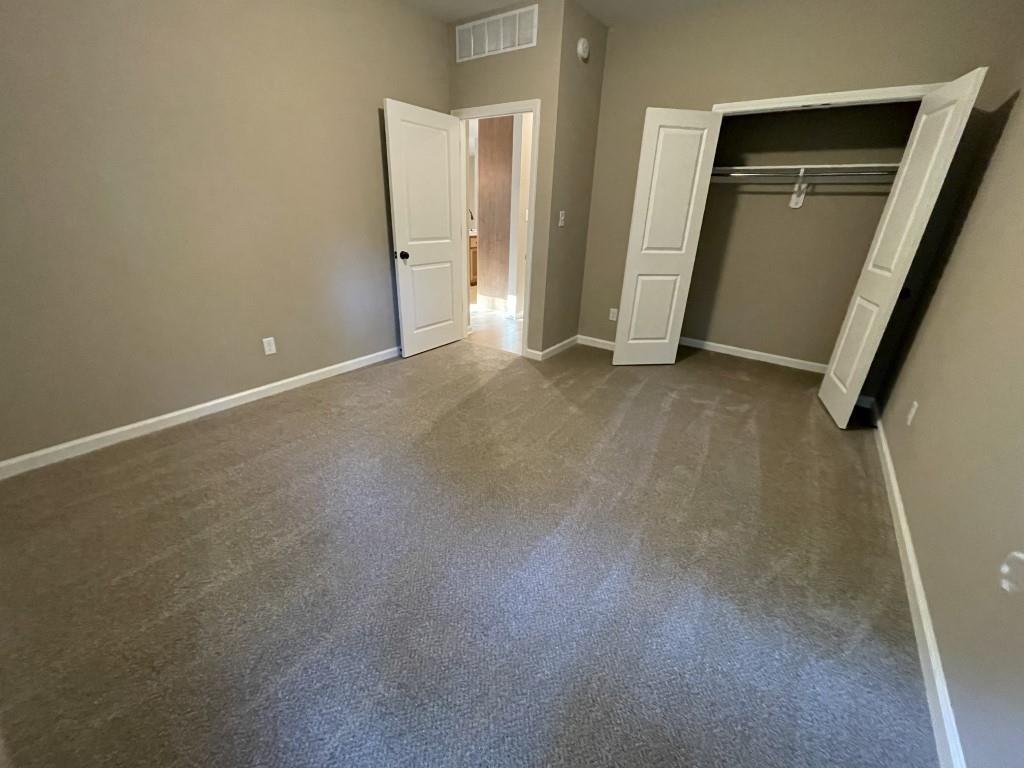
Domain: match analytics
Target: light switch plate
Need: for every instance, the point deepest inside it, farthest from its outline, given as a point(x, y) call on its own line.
point(269, 346)
point(561, 218)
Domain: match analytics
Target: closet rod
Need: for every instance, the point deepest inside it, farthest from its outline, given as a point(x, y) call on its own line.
point(839, 173)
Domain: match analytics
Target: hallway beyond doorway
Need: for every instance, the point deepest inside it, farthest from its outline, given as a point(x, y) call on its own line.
point(492, 328)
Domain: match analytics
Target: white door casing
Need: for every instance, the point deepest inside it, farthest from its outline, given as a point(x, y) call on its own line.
point(929, 153)
point(427, 191)
point(676, 156)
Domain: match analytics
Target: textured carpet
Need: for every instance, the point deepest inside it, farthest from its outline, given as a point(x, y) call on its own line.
point(468, 559)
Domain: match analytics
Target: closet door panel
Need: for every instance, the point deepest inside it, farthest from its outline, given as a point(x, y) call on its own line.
point(676, 156)
point(933, 142)
point(653, 299)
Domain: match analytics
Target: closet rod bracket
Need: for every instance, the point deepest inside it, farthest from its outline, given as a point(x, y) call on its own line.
point(796, 200)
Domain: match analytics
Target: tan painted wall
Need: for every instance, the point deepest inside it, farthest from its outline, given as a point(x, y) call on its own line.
point(747, 49)
point(579, 104)
point(531, 73)
point(570, 94)
point(180, 179)
point(961, 464)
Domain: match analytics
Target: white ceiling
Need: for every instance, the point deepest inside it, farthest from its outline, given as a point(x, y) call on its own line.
point(615, 12)
point(611, 12)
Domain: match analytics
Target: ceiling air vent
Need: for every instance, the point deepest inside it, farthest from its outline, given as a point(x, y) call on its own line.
point(505, 32)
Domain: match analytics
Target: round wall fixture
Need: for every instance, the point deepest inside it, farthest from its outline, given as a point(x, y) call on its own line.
point(583, 49)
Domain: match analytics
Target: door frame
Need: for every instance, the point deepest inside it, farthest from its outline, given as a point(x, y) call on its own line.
point(508, 109)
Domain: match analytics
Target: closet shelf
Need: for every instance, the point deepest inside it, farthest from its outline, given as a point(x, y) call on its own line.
point(843, 173)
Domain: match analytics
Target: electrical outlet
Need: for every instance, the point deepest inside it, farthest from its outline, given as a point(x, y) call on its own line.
point(613, 313)
point(912, 413)
point(561, 218)
point(269, 346)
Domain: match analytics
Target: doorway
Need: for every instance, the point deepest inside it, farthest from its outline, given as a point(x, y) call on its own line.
point(500, 166)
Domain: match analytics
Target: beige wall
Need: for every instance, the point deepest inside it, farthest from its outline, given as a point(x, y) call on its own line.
point(550, 72)
point(180, 179)
point(531, 73)
point(748, 49)
point(579, 104)
point(961, 464)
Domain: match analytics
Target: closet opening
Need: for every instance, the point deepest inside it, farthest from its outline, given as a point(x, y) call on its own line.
point(779, 254)
point(785, 262)
point(758, 281)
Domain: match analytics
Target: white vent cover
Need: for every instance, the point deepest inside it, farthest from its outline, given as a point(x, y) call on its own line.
point(496, 34)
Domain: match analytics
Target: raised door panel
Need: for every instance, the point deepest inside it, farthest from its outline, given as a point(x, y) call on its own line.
point(675, 169)
point(427, 210)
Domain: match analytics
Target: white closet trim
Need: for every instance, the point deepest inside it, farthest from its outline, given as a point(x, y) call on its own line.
point(834, 99)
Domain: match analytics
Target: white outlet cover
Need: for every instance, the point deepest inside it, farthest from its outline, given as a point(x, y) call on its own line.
point(561, 218)
point(269, 346)
point(613, 313)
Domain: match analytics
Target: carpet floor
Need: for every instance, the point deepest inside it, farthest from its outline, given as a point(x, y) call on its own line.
point(468, 559)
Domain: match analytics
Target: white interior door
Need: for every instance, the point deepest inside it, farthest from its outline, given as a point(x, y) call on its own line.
point(424, 171)
point(676, 157)
point(933, 142)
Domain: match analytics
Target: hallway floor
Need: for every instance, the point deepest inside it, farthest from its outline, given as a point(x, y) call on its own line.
point(491, 328)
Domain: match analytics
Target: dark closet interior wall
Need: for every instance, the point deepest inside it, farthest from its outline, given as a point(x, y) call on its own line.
point(495, 201)
point(775, 279)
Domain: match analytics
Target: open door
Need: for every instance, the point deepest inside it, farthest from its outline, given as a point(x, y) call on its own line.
point(676, 157)
point(424, 171)
point(933, 142)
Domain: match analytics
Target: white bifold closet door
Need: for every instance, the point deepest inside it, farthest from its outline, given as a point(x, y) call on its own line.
point(930, 149)
point(427, 192)
point(676, 157)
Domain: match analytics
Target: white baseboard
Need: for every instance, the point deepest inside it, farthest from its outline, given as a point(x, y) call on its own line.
point(947, 738)
point(711, 346)
point(752, 354)
point(550, 352)
point(593, 341)
point(28, 461)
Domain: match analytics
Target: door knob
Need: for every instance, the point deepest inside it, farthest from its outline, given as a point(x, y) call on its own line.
point(403, 255)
